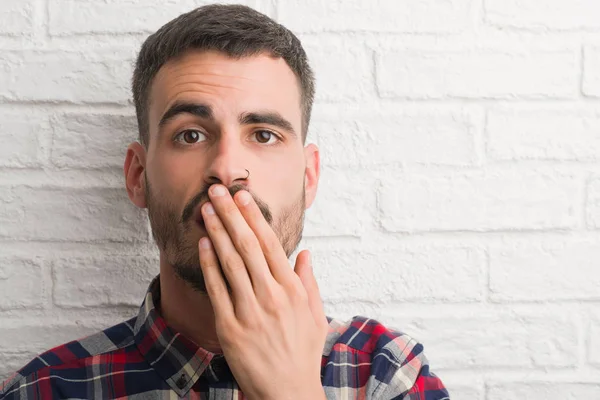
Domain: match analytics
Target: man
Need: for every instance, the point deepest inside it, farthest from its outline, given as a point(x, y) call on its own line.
point(223, 97)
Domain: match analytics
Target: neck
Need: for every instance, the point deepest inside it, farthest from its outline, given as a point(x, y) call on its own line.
point(187, 311)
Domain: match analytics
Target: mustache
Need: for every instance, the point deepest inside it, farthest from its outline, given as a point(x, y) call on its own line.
point(203, 197)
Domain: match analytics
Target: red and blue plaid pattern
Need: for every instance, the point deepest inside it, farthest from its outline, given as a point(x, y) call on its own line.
point(144, 358)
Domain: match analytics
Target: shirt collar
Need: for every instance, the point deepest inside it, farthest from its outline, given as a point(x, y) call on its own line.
point(177, 359)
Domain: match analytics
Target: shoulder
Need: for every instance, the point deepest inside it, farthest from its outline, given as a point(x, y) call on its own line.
point(399, 368)
point(70, 357)
point(371, 336)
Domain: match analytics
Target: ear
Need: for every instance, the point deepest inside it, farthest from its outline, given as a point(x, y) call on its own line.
point(134, 167)
point(311, 173)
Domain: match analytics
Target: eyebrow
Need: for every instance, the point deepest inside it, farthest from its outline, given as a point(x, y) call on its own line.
point(205, 111)
point(269, 118)
point(199, 110)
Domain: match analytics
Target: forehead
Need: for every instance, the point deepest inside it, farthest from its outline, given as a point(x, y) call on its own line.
point(229, 85)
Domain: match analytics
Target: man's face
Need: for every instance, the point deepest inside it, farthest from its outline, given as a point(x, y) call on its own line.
point(212, 120)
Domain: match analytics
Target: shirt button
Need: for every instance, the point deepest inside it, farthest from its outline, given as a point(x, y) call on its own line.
point(181, 382)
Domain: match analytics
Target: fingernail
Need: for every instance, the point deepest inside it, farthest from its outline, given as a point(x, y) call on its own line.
point(243, 198)
point(218, 190)
point(208, 208)
point(205, 243)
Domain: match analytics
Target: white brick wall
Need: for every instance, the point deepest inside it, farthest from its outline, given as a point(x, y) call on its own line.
point(480, 73)
point(459, 201)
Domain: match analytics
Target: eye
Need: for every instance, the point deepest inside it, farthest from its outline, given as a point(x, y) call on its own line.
point(190, 136)
point(264, 137)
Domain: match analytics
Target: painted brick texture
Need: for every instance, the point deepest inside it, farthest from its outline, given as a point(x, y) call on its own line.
point(459, 198)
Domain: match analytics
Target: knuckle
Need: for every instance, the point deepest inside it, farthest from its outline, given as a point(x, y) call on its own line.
point(269, 246)
point(298, 296)
point(250, 314)
point(230, 208)
point(232, 262)
point(228, 330)
point(207, 261)
point(253, 323)
point(214, 225)
point(234, 265)
point(216, 291)
point(273, 302)
point(246, 244)
point(272, 242)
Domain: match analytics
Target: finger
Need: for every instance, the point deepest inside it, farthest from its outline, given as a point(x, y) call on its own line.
point(243, 238)
point(232, 265)
point(304, 270)
point(271, 247)
point(214, 281)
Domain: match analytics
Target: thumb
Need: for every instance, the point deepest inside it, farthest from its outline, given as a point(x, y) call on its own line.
point(304, 270)
point(303, 265)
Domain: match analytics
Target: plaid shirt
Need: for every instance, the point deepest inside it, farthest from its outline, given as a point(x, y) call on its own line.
point(144, 358)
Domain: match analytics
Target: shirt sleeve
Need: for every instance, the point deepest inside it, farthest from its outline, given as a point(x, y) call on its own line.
point(7, 385)
point(401, 371)
point(427, 387)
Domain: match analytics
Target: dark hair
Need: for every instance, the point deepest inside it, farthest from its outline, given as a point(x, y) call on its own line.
point(236, 30)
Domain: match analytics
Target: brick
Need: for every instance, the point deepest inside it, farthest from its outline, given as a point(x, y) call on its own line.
point(594, 341)
point(549, 134)
point(548, 390)
point(16, 17)
point(34, 338)
point(67, 76)
point(414, 136)
point(536, 271)
point(91, 140)
point(79, 178)
point(379, 16)
point(22, 135)
point(484, 73)
point(528, 340)
point(593, 203)
point(336, 63)
point(341, 208)
point(10, 362)
point(544, 16)
point(59, 214)
point(478, 201)
point(426, 274)
point(68, 17)
point(591, 71)
point(102, 281)
point(462, 390)
point(21, 284)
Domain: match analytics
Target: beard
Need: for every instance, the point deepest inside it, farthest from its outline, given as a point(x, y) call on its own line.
point(175, 232)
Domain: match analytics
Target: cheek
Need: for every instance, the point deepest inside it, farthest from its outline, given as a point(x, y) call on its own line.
point(170, 177)
point(283, 184)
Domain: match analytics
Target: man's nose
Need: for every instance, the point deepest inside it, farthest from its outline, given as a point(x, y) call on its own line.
point(227, 166)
